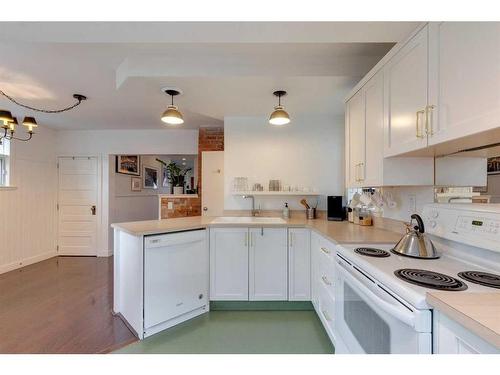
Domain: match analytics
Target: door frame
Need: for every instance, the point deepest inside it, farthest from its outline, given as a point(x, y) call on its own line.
point(102, 216)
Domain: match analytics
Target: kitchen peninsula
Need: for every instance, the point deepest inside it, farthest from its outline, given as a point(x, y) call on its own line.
point(198, 245)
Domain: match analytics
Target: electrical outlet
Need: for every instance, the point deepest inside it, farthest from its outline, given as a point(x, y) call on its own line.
point(412, 204)
point(170, 205)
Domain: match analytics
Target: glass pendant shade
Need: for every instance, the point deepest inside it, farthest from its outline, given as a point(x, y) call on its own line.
point(172, 116)
point(279, 116)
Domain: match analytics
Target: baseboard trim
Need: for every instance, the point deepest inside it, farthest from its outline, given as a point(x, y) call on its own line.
point(27, 261)
point(261, 305)
point(105, 253)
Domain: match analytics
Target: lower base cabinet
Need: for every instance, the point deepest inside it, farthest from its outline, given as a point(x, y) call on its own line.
point(229, 264)
point(299, 264)
point(452, 338)
point(260, 264)
point(267, 268)
point(322, 282)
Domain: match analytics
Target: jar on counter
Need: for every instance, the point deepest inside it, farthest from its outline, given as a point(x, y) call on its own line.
point(364, 216)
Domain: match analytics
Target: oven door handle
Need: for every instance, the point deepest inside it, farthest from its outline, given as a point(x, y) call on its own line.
point(400, 313)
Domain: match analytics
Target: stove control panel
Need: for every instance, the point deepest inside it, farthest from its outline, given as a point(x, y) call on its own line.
point(472, 224)
point(475, 224)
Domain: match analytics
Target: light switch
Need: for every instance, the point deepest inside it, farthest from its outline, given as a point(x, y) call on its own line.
point(170, 205)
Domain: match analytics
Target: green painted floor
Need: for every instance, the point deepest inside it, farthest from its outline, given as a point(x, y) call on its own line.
point(242, 332)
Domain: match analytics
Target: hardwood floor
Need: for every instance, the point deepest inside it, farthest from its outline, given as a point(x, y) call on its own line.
point(61, 305)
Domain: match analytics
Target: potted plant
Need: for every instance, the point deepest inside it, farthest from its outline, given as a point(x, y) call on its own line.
point(175, 175)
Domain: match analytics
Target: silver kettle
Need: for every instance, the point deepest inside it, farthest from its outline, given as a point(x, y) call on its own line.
point(415, 243)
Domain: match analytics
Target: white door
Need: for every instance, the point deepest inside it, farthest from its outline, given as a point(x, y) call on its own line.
point(356, 109)
point(299, 264)
point(77, 206)
point(212, 183)
point(176, 277)
point(374, 115)
point(465, 85)
point(268, 276)
point(405, 91)
point(229, 264)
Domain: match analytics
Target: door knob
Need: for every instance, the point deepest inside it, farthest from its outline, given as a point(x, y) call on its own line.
point(205, 208)
point(92, 209)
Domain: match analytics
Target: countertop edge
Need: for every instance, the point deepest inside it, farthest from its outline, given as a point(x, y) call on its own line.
point(479, 329)
point(308, 225)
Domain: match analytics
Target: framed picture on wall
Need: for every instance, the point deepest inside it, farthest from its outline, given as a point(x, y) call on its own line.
point(494, 165)
point(136, 184)
point(150, 177)
point(128, 164)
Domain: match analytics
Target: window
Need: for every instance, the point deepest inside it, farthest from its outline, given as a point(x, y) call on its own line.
point(4, 162)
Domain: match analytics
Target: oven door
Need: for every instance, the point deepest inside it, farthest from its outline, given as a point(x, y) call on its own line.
point(372, 320)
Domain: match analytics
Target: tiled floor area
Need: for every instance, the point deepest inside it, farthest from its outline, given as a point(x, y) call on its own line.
point(252, 332)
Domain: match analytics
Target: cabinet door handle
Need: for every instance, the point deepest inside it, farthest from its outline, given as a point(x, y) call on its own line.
point(246, 239)
point(291, 239)
point(326, 251)
point(361, 169)
point(251, 239)
point(356, 172)
point(418, 133)
point(325, 280)
point(429, 129)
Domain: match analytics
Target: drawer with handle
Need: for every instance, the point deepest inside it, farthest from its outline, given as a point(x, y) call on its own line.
point(327, 249)
point(327, 309)
point(326, 275)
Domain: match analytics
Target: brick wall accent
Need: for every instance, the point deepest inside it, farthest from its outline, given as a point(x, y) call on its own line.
point(182, 207)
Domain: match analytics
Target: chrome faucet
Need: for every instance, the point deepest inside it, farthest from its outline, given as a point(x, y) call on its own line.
point(254, 211)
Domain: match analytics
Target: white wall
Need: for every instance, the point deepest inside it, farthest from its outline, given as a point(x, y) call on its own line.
point(102, 143)
point(308, 152)
point(28, 217)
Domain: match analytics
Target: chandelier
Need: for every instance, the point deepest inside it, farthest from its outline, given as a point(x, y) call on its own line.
point(9, 123)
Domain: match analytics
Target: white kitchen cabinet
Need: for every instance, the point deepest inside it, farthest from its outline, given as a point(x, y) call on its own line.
point(299, 264)
point(229, 264)
point(267, 269)
point(374, 124)
point(452, 338)
point(405, 91)
point(465, 79)
point(356, 125)
point(315, 246)
point(368, 167)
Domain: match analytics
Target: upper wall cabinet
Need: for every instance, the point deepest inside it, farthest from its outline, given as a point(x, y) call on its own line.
point(405, 86)
point(356, 125)
point(441, 93)
point(366, 165)
point(464, 87)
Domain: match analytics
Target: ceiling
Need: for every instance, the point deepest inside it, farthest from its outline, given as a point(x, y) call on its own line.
point(223, 69)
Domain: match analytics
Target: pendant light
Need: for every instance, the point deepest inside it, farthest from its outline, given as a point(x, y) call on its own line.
point(172, 115)
point(279, 116)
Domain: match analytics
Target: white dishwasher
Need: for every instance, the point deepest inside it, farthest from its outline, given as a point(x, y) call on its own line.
point(176, 278)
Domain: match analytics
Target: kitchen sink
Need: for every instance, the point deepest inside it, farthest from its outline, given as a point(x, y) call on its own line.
point(247, 220)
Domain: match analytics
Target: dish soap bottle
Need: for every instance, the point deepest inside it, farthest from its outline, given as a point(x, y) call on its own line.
point(286, 212)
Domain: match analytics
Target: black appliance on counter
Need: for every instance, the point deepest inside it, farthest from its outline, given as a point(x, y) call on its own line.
point(335, 209)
